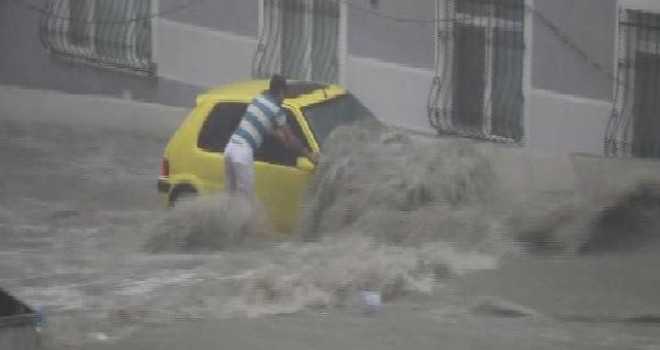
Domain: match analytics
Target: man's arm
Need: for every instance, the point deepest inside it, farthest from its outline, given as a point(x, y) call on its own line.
point(289, 139)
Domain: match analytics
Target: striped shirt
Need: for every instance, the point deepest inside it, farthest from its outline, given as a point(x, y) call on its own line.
point(259, 120)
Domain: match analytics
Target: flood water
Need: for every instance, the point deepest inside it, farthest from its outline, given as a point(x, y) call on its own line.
point(417, 221)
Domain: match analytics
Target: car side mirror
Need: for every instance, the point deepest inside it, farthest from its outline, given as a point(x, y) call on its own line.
point(305, 164)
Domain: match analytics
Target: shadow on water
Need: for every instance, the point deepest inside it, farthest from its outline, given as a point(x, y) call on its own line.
point(564, 223)
point(631, 221)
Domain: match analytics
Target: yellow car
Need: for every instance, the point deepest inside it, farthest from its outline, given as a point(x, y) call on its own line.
point(193, 161)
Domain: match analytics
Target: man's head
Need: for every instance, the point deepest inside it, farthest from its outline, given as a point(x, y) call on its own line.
point(278, 87)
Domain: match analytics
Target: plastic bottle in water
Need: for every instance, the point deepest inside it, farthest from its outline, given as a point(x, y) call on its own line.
point(41, 319)
point(370, 302)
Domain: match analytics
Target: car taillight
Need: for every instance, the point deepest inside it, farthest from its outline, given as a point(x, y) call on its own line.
point(165, 168)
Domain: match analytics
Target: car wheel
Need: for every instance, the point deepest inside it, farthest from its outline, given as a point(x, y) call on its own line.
point(181, 193)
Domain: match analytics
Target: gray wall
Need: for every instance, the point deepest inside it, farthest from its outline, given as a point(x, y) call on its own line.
point(372, 36)
point(591, 25)
point(236, 16)
point(20, 47)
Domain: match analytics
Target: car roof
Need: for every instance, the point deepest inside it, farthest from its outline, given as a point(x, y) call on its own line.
point(300, 93)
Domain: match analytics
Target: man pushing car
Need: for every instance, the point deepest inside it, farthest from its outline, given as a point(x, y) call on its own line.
point(264, 116)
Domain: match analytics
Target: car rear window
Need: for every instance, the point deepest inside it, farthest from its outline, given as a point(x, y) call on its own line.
point(220, 125)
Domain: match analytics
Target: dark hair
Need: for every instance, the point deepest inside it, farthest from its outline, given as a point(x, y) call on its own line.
point(277, 85)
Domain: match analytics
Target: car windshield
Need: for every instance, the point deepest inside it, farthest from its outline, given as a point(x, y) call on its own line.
point(324, 117)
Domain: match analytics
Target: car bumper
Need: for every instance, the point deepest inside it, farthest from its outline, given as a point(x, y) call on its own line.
point(163, 186)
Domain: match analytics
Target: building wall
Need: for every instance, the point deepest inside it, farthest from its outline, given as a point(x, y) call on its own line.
point(234, 16)
point(571, 93)
point(566, 123)
point(395, 93)
point(409, 43)
point(201, 56)
point(588, 24)
point(25, 62)
point(570, 100)
point(380, 68)
point(389, 63)
point(30, 52)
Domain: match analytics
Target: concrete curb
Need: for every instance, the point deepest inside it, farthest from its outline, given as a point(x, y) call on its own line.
point(150, 119)
point(599, 177)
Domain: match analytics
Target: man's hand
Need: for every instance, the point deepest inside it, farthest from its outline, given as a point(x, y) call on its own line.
point(287, 137)
point(313, 157)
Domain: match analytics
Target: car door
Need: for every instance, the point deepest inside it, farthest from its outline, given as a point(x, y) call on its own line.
point(214, 134)
point(280, 183)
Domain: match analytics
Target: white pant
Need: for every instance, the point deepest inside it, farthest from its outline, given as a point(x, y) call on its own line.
point(239, 169)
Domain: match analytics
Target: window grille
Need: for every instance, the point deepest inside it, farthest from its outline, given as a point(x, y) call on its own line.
point(105, 32)
point(477, 88)
point(634, 126)
point(299, 39)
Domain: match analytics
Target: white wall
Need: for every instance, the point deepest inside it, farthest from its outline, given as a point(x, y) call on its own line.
point(201, 56)
point(396, 94)
point(565, 123)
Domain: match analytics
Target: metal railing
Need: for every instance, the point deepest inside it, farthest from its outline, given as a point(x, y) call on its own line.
point(634, 127)
point(113, 33)
point(477, 88)
point(299, 39)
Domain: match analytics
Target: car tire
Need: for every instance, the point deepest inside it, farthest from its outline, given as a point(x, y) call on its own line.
point(182, 192)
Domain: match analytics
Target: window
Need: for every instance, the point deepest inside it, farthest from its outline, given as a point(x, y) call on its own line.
point(478, 89)
point(634, 127)
point(107, 32)
point(117, 31)
point(78, 32)
point(301, 39)
point(220, 125)
point(223, 120)
point(275, 152)
point(324, 117)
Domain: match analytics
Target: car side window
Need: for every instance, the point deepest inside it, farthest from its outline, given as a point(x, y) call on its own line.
point(275, 152)
point(220, 125)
